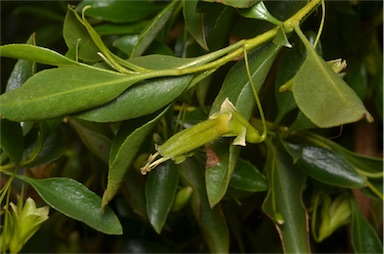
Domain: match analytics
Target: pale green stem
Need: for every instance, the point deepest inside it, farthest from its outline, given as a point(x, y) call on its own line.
point(258, 103)
point(321, 24)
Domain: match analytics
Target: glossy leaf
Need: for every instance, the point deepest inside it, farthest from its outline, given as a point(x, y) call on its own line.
point(194, 22)
point(77, 202)
point(120, 11)
point(211, 220)
point(138, 100)
point(160, 191)
point(259, 11)
point(78, 40)
point(284, 202)
point(236, 3)
point(134, 189)
point(247, 177)
point(323, 96)
point(124, 149)
point(151, 31)
point(364, 237)
point(325, 166)
point(23, 70)
point(219, 168)
point(96, 137)
point(56, 92)
point(11, 139)
point(36, 54)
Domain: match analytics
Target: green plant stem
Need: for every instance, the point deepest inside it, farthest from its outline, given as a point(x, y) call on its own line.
point(375, 190)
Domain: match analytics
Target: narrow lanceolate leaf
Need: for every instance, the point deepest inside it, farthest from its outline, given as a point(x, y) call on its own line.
point(325, 166)
point(124, 149)
point(194, 22)
point(36, 54)
point(219, 168)
point(138, 100)
point(77, 202)
point(284, 202)
point(150, 32)
point(160, 191)
point(322, 95)
point(56, 92)
point(364, 237)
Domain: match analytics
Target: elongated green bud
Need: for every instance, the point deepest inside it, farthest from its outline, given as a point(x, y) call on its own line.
point(227, 123)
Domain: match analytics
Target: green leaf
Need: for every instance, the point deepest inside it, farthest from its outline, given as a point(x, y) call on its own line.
point(56, 92)
point(221, 161)
point(78, 40)
point(211, 220)
point(325, 166)
point(120, 11)
point(364, 237)
point(160, 191)
point(236, 3)
point(95, 136)
point(194, 22)
point(124, 149)
point(247, 177)
point(138, 100)
point(11, 139)
point(117, 29)
point(23, 70)
point(36, 54)
point(77, 202)
point(284, 202)
point(259, 11)
point(151, 31)
point(322, 95)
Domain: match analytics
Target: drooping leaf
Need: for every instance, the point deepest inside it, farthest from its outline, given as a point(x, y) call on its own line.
point(364, 237)
point(194, 22)
point(120, 11)
point(160, 191)
point(325, 166)
point(77, 202)
point(211, 220)
point(322, 95)
point(247, 177)
point(11, 139)
point(124, 149)
point(151, 31)
point(284, 202)
point(56, 92)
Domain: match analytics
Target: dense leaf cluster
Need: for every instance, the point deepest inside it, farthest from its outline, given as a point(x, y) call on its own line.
point(232, 103)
